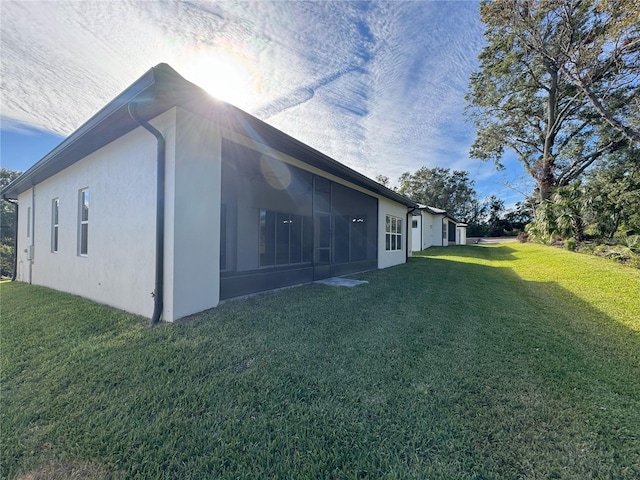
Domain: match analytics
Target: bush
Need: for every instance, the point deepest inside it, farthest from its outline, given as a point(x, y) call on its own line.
point(633, 243)
point(570, 244)
point(6, 260)
point(523, 237)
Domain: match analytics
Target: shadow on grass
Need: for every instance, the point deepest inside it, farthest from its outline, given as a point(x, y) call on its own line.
point(484, 252)
point(435, 369)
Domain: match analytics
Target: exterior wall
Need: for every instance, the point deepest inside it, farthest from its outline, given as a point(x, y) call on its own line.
point(390, 258)
point(436, 230)
point(461, 235)
point(428, 231)
point(195, 220)
point(119, 267)
point(416, 233)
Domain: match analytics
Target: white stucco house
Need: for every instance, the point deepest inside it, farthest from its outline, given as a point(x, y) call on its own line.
point(432, 226)
point(168, 201)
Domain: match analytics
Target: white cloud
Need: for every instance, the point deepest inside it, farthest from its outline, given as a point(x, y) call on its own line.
point(378, 86)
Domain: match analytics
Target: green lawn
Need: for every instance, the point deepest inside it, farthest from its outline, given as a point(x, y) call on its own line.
point(480, 362)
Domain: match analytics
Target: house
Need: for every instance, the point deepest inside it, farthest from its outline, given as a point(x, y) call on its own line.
point(168, 201)
point(432, 226)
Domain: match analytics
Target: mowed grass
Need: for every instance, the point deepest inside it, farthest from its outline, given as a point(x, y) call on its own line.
point(479, 362)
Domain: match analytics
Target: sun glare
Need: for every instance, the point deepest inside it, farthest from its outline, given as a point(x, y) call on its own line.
point(222, 74)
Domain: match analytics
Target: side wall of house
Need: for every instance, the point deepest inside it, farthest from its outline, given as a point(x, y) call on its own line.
point(388, 258)
point(427, 229)
point(118, 268)
point(194, 219)
point(436, 230)
point(416, 233)
point(461, 235)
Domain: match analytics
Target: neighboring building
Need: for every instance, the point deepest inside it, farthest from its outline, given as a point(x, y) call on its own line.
point(435, 227)
point(167, 190)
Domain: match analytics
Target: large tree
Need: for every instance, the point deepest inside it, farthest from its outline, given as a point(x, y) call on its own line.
point(536, 87)
point(442, 188)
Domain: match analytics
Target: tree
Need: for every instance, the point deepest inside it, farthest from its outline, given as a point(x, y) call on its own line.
point(441, 188)
point(525, 99)
point(7, 225)
point(520, 215)
point(383, 179)
point(495, 223)
point(569, 206)
point(613, 191)
point(604, 62)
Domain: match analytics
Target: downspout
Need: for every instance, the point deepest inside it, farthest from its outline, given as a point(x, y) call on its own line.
point(32, 248)
point(409, 229)
point(158, 300)
point(15, 237)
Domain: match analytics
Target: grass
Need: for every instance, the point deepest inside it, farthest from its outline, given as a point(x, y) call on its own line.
point(480, 362)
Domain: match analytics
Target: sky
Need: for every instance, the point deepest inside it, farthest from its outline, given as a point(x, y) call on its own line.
point(378, 86)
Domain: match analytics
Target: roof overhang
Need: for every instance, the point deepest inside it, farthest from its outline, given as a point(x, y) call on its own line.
point(155, 92)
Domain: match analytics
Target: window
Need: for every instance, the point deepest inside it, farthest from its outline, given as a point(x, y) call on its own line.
point(55, 205)
point(414, 223)
point(83, 224)
point(393, 230)
point(28, 221)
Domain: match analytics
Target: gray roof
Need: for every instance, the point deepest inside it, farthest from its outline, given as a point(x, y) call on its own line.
point(439, 211)
point(155, 92)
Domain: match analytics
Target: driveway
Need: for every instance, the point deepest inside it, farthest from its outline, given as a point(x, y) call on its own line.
point(489, 240)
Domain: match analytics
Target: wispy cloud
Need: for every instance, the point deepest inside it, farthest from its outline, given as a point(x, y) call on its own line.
point(377, 85)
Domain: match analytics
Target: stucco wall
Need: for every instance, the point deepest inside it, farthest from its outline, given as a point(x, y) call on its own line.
point(461, 235)
point(119, 267)
point(416, 233)
point(195, 252)
point(390, 258)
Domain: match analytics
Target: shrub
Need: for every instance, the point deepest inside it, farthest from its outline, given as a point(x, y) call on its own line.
point(523, 237)
point(570, 244)
point(633, 243)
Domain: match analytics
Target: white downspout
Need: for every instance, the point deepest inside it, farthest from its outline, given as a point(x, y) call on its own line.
point(32, 246)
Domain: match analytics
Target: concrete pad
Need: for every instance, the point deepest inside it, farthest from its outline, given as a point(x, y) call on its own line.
point(341, 282)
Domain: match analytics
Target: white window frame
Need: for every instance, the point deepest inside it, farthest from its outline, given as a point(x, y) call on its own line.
point(83, 223)
point(393, 233)
point(55, 222)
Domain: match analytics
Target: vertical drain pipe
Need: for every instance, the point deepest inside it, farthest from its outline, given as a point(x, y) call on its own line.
point(32, 247)
point(158, 299)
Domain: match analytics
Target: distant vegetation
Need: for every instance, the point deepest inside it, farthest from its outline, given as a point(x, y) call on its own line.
point(7, 225)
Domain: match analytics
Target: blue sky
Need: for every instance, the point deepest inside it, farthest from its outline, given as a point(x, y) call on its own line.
point(378, 86)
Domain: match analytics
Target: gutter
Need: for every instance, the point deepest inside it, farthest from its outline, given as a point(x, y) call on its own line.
point(157, 294)
point(15, 237)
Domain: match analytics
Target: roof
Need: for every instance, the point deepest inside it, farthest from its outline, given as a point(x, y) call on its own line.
point(439, 211)
point(155, 92)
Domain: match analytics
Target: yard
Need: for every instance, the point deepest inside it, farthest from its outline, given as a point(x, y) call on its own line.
point(502, 361)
